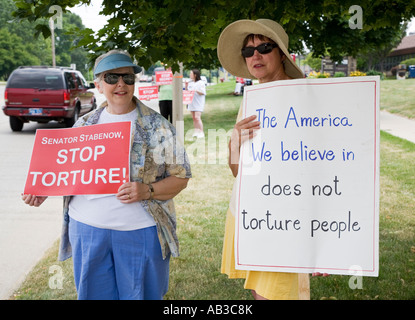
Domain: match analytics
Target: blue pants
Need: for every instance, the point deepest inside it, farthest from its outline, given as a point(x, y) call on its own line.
point(112, 265)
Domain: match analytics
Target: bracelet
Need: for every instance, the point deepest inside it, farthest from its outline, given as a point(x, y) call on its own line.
point(151, 190)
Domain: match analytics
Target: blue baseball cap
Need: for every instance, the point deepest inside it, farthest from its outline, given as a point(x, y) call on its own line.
point(115, 61)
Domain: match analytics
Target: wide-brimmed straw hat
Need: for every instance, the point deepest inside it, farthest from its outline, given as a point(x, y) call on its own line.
point(231, 40)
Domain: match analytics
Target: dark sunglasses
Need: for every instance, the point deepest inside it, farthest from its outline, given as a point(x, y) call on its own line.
point(263, 48)
point(112, 78)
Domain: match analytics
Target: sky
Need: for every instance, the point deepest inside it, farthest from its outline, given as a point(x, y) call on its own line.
point(90, 15)
point(91, 18)
point(411, 26)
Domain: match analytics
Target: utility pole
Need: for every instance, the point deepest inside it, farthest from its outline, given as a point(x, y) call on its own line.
point(52, 36)
point(178, 103)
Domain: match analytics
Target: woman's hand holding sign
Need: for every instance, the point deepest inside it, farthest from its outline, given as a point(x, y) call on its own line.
point(33, 201)
point(164, 189)
point(131, 192)
point(243, 130)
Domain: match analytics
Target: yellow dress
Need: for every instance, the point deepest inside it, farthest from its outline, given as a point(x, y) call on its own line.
point(270, 285)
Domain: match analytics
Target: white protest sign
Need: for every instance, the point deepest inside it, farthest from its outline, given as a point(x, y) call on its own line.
point(308, 183)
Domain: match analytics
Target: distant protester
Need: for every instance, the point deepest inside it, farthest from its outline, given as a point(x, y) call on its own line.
point(196, 107)
point(166, 100)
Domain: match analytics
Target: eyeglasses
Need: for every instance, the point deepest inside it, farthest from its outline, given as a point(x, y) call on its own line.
point(112, 78)
point(263, 48)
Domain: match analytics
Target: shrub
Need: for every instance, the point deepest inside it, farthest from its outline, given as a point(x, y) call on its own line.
point(408, 62)
point(375, 73)
point(314, 75)
point(357, 73)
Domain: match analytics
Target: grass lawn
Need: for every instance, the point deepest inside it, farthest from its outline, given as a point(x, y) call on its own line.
point(397, 96)
point(201, 212)
point(396, 232)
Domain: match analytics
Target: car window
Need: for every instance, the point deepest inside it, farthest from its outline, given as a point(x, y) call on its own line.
point(35, 79)
point(79, 81)
point(70, 80)
point(83, 81)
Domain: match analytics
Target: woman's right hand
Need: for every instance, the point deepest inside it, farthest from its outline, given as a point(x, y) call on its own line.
point(33, 201)
point(243, 130)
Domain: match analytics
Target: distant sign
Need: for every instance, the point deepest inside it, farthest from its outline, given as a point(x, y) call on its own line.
point(148, 93)
point(164, 77)
point(188, 96)
point(86, 160)
point(332, 67)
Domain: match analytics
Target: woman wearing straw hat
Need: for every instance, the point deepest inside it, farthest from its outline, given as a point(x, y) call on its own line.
point(255, 49)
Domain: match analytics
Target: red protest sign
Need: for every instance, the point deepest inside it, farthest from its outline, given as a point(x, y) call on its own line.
point(86, 160)
point(148, 93)
point(188, 96)
point(164, 77)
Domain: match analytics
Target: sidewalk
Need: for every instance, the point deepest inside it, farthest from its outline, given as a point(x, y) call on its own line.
point(398, 126)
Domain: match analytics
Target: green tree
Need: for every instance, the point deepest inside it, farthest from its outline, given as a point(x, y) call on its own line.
point(375, 54)
point(13, 53)
point(188, 30)
point(19, 47)
point(66, 51)
point(312, 61)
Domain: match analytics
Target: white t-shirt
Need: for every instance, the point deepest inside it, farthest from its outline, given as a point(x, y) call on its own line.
point(105, 210)
point(198, 102)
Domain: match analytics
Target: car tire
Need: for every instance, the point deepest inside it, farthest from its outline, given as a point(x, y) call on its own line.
point(69, 122)
point(16, 124)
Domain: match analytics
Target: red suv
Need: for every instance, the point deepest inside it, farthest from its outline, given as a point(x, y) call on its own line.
point(43, 94)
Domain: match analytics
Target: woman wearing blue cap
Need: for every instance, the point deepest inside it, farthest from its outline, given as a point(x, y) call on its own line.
point(121, 244)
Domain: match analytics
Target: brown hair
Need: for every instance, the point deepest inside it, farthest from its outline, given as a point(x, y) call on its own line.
point(196, 72)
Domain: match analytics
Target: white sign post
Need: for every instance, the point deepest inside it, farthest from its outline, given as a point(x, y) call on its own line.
point(308, 184)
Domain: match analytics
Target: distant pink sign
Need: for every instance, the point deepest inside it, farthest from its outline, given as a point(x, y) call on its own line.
point(188, 96)
point(148, 93)
point(164, 77)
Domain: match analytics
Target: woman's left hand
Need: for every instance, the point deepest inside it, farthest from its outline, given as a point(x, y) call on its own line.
point(131, 192)
point(318, 274)
point(164, 189)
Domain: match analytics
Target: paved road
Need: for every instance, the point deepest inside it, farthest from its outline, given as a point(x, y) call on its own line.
point(25, 232)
